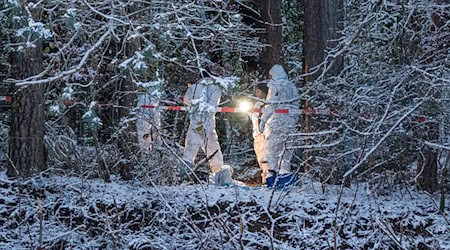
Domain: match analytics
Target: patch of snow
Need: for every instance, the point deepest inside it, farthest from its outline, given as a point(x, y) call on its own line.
point(71, 11)
point(228, 82)
point(149, 84)
point(13, 2)
point(302, 218)
point(35, 27)
point(55, 109)
point(68, 93)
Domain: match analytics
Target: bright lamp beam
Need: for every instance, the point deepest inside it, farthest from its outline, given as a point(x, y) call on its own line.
point(244, 106)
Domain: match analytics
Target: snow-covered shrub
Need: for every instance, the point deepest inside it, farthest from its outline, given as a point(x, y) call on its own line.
point(390, 97)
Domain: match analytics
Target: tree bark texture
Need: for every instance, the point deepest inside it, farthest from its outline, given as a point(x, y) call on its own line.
point(427, 158)
point(314, 39)
point(427, 163)
point(127, 101)
point(427, 170)
point(333, 25)
point(270, 11)
point(323, 19)
point(27, 152)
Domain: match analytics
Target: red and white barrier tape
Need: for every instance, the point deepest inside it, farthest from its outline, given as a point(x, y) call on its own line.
point(253, 110)
point(327, 111)
point(5, 98)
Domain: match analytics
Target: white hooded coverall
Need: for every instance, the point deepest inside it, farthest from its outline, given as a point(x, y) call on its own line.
point(203, 97)
point(282, 95)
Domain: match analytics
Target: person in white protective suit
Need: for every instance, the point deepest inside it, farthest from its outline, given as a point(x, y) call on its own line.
point(203, 97)
point(147, 121)
point(275, 126)
point(258, 137)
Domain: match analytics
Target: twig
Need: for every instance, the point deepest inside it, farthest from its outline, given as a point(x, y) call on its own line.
point(388, 133)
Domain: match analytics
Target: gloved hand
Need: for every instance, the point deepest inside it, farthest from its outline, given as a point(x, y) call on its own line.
point(262, 125)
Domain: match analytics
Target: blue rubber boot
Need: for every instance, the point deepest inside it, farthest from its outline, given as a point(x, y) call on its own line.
point(281, 181)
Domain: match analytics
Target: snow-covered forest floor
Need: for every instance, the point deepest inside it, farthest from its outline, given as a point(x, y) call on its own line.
point(74, 213)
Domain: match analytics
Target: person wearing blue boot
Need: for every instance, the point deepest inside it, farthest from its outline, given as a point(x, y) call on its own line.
point(275, 127)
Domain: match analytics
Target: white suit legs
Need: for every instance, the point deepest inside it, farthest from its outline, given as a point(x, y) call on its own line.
point(258, 145)
point(277, 152)
point(208, 142)
point(212, 146)
point(193, 143)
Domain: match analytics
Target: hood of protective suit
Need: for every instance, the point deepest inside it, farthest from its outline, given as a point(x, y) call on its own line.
point(206, 81)
point(277, 72)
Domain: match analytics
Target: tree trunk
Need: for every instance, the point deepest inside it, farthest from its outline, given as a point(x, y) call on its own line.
point(427, 164)
point(27, 152)
point(428, 179)
point(271, 17)
point(314, 37)
point(427, 170)
point(322, 21)
point(333, 23)
point(127, 100)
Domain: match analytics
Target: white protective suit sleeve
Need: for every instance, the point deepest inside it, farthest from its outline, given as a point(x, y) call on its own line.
point(255, 117)
point(213, 95)
point(269, 109)
point(188, 96)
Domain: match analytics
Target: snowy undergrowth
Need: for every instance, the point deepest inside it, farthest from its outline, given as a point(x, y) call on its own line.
point(92, 214)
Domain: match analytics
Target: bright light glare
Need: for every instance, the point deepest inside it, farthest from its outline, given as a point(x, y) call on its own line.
point(244, 106)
